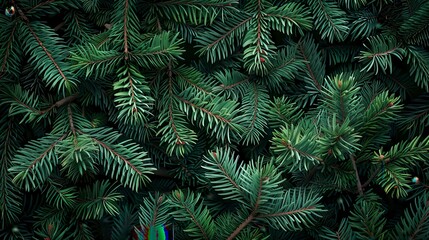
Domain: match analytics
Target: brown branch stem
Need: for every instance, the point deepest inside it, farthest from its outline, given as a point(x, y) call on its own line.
point(60, 103)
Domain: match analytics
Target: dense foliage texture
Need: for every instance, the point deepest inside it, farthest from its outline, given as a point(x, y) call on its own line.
point(218, 119)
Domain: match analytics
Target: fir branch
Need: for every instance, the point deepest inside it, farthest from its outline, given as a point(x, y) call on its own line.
point(196, 3)
point(112, 151)
point(8, 46)
point(50, 148)
point(170, 104)
point(234, 84)
point(228, 33)
point(227, 121)
point(60, 71)
point(293, 148)
point(40, 5)
point(192, 83)
point(286, 213)
point(252, 214)
point(309, 69)
point(10, 197)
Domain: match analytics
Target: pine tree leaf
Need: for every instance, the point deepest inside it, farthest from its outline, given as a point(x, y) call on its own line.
point(415, 28)
point(221, 39)
point(283, 111)
point(258, 46)
point(24, 103)
point(415, 222)
point(132, 97)
point(289, 18)
point(353, 4)
point(53, 231)
point(330, 20)
point(395, 176)
point(11, 136)
point(314, 73)
point(286, 64)
point(418, 59)
point(125, 27)
point(218, 115)
point(155, 210)
point(61, 197)
point(254, 107)
point(367, 219)
point(415, 116)
point(364, 24)
point(77, 27)
point(158, 51)
point(233, 84)
point(295, 146)
point(48, 54)
point(10, 51)
point(98, 200)
point(123, 160)
point(380, 52)
point(123, 224)
point(294, 210)
point(223, 173)
point(344, 231)
point(88, 60)
point(190, 209)
point(35, 162)
point(194, 11)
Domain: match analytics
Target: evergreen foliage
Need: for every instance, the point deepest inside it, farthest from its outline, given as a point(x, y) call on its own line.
point(216, 119)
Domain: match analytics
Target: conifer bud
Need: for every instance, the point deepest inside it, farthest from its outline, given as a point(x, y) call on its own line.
point(10, 11)
point(340, 83)
point(50, 227)
point(390, 104)
point(214, 155)
point(15, 229)
point(262, 59)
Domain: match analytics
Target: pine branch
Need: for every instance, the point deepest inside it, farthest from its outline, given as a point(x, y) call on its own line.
point(60, 71)
point(10, 197)
point(170, 104)
point(8, 47)
point(190, 209)
point(331, 19)
point(308, 62)
point(39, 5)
point(252, 215)
point(222, 119)
point(34, 163)
point(112, 151)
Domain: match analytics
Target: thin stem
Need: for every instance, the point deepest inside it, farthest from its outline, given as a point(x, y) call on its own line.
point(61, 102)
point(359, 185)
point(371, 177)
